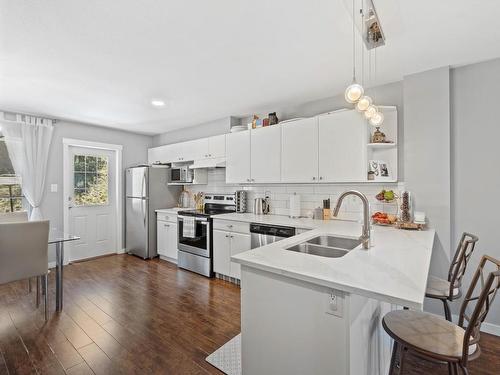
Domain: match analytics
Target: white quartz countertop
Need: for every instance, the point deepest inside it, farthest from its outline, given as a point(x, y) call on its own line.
point(393, 270)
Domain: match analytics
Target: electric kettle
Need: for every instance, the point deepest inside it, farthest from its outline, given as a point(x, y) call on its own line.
point(261, 206)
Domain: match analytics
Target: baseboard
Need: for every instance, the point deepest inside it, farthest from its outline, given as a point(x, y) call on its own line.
point(492, 329)
point(121, 251)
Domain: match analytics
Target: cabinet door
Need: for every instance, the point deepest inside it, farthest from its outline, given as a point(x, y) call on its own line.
point(171, 250)
point(239, 243)
point(222, 252)
point(265, 152)
point(194, 150)
point(162, 237)
point(217, 146)
point(342, 147)
point(238, 157)
point(299, 152)
point(172, 152)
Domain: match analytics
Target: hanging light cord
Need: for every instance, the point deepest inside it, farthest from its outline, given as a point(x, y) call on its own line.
point(353, 47)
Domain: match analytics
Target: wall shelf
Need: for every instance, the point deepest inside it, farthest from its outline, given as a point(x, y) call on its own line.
point(382, 145)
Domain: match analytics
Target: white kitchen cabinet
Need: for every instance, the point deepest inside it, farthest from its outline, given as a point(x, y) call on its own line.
point(222, 252)
point(342, 146)
point(216, 146)
point(238, 157)
point(163, 154)
point(239, 243)
point(166, 239)
point(299, 152)
point(265, 154)
point(194, 150)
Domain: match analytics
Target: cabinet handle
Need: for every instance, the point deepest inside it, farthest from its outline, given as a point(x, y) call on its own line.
point(253, 180)
point(248, 180)
point(229, 226)
point(321, 177)
point(314, 178)
point(166, 225)
point(227, 236)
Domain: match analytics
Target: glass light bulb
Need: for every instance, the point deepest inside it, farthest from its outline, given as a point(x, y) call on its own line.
point(353, 93)
point(364, 103)
point(370, 111)
point(377, 119)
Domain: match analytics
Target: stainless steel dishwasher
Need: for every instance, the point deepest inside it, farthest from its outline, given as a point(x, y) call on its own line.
point(264, 234)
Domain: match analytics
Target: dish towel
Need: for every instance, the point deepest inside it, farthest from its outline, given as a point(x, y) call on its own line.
point(188, 228)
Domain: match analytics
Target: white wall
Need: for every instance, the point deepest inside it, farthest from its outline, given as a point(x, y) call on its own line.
point(134, 152)
point(475, 157)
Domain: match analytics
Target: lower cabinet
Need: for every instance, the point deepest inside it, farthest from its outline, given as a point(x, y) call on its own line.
point(166, 244)
point(227, 244)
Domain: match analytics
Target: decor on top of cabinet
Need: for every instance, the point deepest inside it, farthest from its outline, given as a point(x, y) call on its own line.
point(379, 137)
point(273, 118)
point(380, 170)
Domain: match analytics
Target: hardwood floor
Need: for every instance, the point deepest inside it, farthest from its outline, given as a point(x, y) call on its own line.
point(123, 315)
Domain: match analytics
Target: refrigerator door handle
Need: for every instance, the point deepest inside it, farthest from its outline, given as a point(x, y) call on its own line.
point(143, 212)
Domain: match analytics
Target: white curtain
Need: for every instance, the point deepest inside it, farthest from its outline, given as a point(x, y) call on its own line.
point(28, 143)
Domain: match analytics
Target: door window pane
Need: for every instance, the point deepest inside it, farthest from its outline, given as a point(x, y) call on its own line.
point(90, 180)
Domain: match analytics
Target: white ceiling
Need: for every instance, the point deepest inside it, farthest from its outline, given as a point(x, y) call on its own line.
point(102, 62)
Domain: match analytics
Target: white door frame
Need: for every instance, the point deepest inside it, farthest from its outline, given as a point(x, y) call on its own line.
point(117, 149)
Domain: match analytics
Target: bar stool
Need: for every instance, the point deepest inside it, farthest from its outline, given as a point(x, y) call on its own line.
point(449, 290)
point(433, 338)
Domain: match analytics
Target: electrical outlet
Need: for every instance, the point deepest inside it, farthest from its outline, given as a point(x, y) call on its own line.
point(335, 304)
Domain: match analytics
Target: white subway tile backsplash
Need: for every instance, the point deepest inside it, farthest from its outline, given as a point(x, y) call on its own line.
point(311, 195)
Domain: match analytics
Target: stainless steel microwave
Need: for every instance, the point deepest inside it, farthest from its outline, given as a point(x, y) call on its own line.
point(181, 174)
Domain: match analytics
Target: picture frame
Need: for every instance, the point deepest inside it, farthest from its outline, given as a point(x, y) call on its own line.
point(381, 170)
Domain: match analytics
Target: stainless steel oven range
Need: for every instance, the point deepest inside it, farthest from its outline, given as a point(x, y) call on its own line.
point(194, 234)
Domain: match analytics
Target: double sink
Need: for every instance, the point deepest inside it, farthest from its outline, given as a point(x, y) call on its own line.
point(327, 246)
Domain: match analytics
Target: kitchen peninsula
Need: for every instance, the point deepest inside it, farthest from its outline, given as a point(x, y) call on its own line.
point(304, 313)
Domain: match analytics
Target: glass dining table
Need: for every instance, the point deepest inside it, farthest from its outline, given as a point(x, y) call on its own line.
point(59, 238)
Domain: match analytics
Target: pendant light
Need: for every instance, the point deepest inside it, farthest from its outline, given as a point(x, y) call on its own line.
point(354, 91)
point(364, 103)
point(377, 119)
point(370, 111)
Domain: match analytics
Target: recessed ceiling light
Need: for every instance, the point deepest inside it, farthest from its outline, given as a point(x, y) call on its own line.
point(157, 103)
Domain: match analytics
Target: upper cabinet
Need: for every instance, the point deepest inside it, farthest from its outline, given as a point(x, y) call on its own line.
point(299, 158)
point(328, 148)
point(194, 150)
point(265, 154)
point(342, 146)
point(238, 157)
point(216, 146)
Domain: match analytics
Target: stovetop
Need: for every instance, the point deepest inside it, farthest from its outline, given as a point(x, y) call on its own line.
point(215, 204)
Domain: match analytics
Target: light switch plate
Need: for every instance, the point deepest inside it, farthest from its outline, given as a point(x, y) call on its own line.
point(53, 188)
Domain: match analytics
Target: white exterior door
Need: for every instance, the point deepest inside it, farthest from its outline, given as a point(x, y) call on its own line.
point(266, 154)
point(92, 213)
point(299, 158)
point(238, 157)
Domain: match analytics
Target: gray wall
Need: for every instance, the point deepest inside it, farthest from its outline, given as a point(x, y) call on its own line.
point(427, 158)
point(207, 129)
point(475, 152)
point(134, 152)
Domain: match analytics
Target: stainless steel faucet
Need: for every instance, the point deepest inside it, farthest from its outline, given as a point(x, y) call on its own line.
point(365, 236)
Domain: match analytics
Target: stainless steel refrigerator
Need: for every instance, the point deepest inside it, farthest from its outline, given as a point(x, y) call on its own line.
point(147, 190)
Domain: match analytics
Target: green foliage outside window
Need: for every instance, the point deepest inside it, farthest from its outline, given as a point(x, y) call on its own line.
point(90, 180)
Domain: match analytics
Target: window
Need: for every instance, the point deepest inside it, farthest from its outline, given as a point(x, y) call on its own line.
point(11, 196)
point(90, 180)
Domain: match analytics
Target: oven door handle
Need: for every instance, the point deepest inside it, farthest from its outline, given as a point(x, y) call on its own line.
point(203, 221)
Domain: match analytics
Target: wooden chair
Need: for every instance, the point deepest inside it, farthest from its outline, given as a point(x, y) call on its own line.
point(449, 290)
point(433, 338)
point(24, 253)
